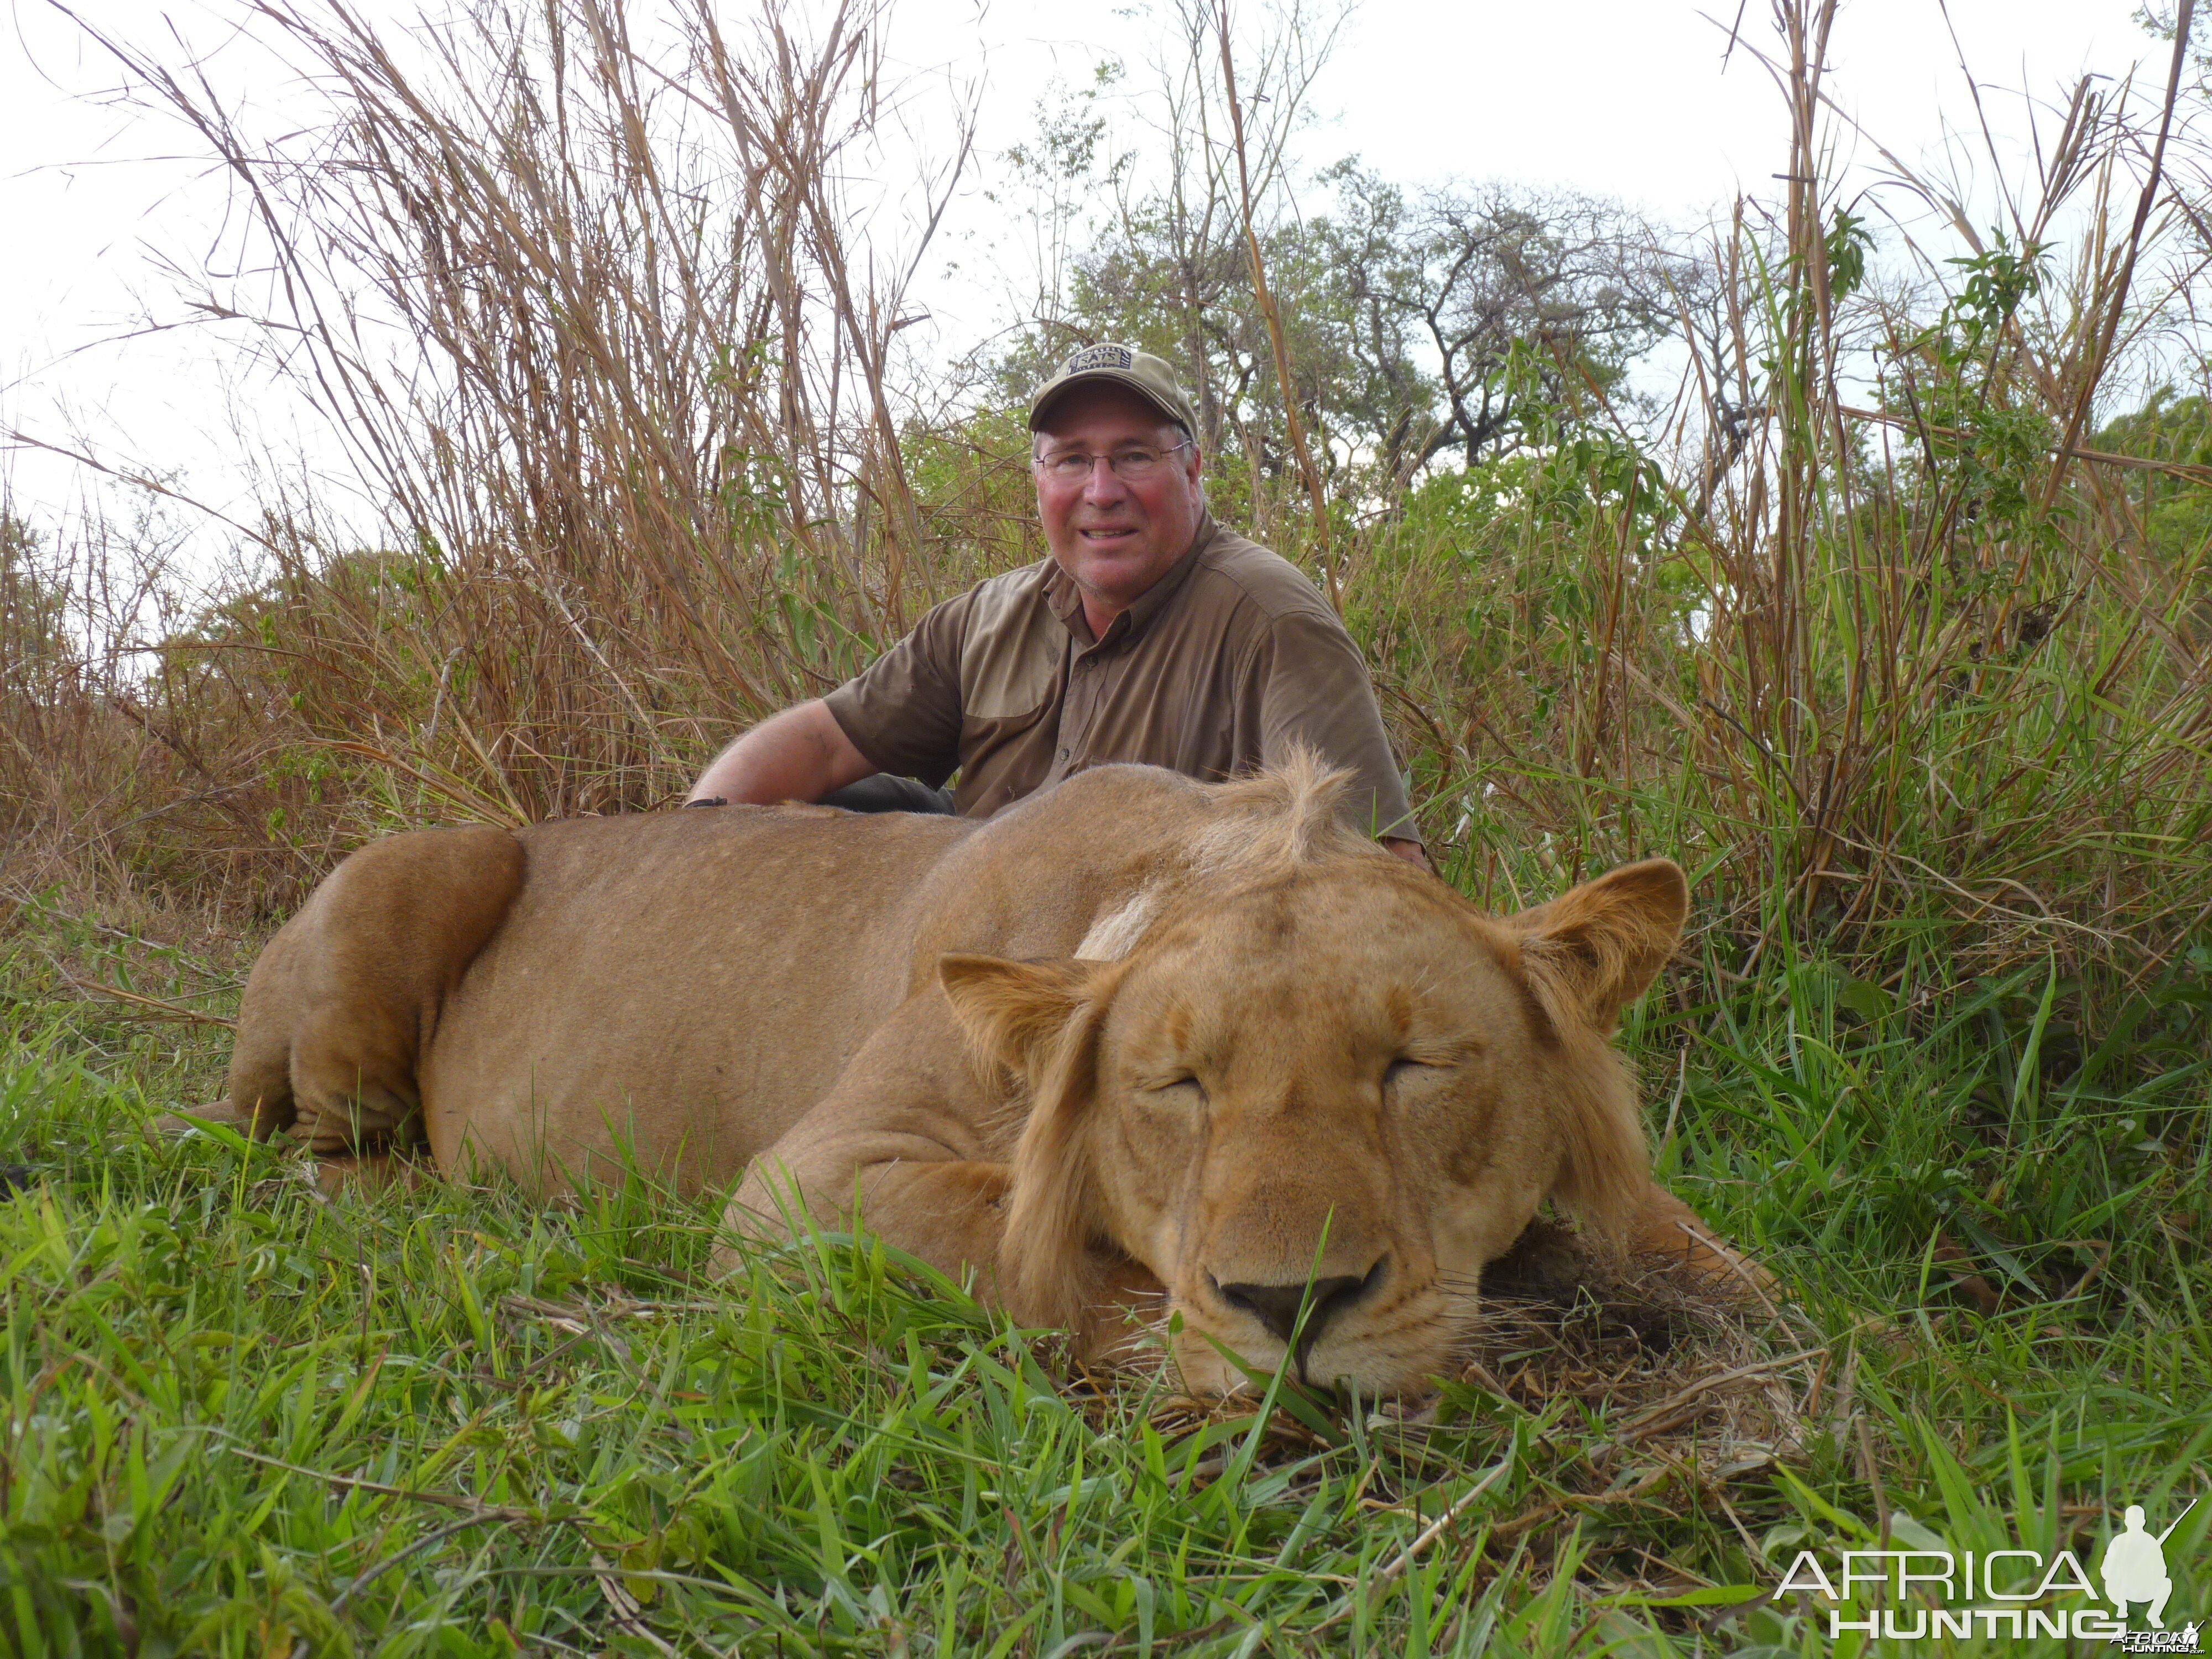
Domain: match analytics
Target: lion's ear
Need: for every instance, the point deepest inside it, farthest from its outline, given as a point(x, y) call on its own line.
point(1596, 947)
point(1014, 1014)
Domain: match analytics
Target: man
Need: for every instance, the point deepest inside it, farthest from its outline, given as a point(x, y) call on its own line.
point(1150, 635)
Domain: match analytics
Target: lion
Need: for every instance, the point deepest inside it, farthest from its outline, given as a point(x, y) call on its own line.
point(1136, 1047)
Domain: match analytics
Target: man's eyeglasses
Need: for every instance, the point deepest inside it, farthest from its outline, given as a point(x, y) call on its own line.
point(1129, 465)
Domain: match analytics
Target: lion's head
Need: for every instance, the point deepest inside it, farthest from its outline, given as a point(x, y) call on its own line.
point(1303, 1063)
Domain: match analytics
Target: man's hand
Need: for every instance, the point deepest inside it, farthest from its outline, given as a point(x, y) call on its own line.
point(801, 754)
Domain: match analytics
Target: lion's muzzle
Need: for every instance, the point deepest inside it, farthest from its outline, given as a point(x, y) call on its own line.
point(1278, 1307)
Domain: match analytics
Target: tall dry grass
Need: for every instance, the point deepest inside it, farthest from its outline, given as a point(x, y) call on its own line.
point(1897, 672)
point(1907, 680)
point(592, 320)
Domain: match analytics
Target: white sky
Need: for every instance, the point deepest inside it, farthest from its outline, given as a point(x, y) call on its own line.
point(1624, 98)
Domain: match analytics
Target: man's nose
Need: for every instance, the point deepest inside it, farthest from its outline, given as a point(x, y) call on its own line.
point(1104, 486)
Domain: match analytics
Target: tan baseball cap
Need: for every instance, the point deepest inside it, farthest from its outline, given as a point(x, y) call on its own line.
point(1149, 377)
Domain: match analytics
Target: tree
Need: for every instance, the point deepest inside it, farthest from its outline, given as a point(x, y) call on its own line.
point(1401, 311)
point(1577, 281)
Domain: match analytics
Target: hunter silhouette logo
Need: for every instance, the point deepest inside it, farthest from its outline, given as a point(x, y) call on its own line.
point(2134, 1570)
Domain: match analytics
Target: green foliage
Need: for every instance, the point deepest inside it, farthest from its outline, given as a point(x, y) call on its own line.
point(33, 609)
point(1987, 438)
point(2174, 512)
point(1985, 1114)
point(1847, 244)
point(1575, 472)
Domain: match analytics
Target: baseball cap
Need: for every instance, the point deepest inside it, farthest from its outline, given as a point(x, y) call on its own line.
point(1149, 377)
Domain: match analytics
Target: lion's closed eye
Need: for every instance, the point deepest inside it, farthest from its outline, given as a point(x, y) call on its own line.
point(1426, 1065)
point(1404, 1074)
point(1174, 1088)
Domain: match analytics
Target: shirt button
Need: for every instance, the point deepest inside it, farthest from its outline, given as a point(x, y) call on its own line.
point(1063, 754)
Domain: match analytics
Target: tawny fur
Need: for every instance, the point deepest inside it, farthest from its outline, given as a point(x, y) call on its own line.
point(1302, 1057)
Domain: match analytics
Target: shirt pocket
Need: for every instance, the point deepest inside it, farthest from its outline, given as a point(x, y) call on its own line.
point(1010, 660)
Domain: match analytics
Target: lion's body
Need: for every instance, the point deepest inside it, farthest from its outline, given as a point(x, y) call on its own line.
point(686, 984)
point(818, 1004)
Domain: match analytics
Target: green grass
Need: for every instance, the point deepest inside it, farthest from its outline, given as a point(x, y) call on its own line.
point(241, 1419)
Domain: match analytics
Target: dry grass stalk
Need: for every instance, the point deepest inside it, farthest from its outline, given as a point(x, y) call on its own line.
point(1324, 541)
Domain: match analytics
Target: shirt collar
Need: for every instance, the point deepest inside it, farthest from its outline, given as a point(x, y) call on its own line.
point(1066, 599)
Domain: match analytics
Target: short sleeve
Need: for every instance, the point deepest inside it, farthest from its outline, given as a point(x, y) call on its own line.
point(1315, 691)
point(902, 711)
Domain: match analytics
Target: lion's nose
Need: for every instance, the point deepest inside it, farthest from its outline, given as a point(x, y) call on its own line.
point(1276, 1306)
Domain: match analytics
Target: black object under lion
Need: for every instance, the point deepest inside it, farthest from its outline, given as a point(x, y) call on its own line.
point(882, 792)
point(886, 792)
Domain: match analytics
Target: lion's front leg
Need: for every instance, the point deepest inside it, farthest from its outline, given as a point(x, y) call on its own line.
point(914, 1142)
point(948, 1211)
point(907, 1141)
point(1668, 1233)
point(951, 1214)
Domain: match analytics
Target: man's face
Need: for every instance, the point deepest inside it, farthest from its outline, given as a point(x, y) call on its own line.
point(1116, 537)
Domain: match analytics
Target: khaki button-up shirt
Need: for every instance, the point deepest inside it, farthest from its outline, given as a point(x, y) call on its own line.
point(1218, 669)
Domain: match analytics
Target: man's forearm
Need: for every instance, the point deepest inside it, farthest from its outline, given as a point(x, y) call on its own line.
point(801, 754)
